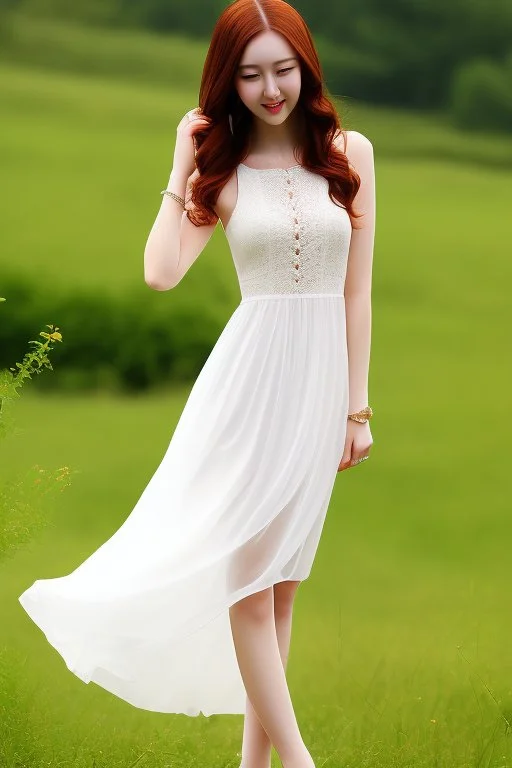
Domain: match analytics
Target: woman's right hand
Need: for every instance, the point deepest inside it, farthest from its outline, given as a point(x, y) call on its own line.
point(184, 149)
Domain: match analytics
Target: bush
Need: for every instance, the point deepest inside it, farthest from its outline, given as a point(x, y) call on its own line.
point(350, 73)
point(481, 96)
point(24, 498)
point(130, 343)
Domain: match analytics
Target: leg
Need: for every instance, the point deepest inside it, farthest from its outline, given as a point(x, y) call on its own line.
point(256, 746)
point(261, 631)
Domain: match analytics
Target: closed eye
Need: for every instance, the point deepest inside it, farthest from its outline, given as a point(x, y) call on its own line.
point(249, 77)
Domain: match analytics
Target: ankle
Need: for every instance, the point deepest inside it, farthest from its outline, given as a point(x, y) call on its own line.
point(299, 759)
point(261, 760)
point(255, 763)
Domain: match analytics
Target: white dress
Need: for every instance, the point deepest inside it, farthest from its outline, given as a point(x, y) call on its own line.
point(239, 499)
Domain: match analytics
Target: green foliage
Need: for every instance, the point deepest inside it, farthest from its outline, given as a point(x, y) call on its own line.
point(400, 53)
point(121, 53)
point(481, 96)
point(103, 12)
point(79, 263)
point(12, 380)
point(25, 501)
point(23, 498)
point(349, 72)
point(128, 343)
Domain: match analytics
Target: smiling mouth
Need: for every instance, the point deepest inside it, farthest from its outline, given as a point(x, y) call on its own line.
point(277, 103)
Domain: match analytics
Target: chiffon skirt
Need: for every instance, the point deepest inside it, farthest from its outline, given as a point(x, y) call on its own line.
point(236, 505)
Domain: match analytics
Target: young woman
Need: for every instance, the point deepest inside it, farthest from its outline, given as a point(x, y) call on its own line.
point(188, 606)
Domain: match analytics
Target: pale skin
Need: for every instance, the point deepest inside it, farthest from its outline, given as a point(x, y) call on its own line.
point(261, 623)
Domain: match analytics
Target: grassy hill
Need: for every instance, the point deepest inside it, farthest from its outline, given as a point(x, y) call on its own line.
point(400, 653)
point(86, 157)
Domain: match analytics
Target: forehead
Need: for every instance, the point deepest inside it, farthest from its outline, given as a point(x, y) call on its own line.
point(267, 49)
point(281, 61)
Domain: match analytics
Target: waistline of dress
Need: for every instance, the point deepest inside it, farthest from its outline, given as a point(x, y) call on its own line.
point(274, 296)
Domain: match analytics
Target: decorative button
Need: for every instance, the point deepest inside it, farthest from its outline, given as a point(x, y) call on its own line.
point(291, 194)
point(297, 251)
point(296, 235)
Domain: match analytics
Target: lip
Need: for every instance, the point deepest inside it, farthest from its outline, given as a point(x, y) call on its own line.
point(276, 109)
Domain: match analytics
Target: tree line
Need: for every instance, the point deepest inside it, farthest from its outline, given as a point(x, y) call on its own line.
point(424, 54)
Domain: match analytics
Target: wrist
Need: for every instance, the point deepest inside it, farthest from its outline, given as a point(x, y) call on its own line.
point(178, 181)
point(362, 416)
point(358, 407)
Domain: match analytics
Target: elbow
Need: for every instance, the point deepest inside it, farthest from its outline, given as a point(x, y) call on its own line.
point(159, 285)
point(156, 283)
point(155, 280)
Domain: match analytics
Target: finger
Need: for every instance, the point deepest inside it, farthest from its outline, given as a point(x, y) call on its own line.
point(345, 460)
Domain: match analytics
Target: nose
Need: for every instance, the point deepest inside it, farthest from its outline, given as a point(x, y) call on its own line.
point(271, 88)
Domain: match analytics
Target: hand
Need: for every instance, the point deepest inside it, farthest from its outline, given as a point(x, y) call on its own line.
point(358, 442)
point(184, 149)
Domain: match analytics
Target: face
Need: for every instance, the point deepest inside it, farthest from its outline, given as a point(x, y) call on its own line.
point(269, 72)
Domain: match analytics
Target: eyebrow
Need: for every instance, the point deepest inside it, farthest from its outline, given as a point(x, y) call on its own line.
point(255, 66)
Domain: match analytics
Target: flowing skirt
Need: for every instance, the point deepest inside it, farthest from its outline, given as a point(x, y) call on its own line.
point(236, 505)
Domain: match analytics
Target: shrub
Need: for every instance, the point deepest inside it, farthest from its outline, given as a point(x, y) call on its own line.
point(24, 498)
point(481, 96)
point(131, 343)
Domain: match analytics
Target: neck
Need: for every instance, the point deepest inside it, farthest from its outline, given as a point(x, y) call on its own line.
point(276, 140)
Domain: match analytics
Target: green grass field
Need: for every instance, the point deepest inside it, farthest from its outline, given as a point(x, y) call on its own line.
point(401, 642)
point(398, 634)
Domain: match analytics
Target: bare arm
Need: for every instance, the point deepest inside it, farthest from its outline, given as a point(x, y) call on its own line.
point(358, 282)
point(174, 242)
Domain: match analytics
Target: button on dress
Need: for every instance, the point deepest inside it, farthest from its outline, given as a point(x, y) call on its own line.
point(239, 499)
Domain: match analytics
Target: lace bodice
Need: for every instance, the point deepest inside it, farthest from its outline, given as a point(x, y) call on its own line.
point(285, 233)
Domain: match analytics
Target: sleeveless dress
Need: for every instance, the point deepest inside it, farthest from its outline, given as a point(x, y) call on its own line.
point(239, 499)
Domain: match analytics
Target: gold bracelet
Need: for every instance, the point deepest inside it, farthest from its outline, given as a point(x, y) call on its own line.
point(362, 416)
point(173, 195)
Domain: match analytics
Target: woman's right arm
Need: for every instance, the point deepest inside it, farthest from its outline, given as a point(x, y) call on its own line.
point(174, 242)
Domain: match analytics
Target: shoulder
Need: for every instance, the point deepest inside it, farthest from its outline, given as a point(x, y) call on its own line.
point(359, 152)
point(354, 144)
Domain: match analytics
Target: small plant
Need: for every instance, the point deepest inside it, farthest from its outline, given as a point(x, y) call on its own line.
point(22, 497)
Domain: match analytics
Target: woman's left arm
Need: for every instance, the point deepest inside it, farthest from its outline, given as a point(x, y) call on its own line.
point(358, 287)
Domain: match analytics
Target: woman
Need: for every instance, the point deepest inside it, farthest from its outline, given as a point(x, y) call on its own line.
point(187, 607)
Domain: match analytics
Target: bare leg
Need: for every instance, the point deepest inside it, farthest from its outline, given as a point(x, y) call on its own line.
point(256, 746)
point(263, 672)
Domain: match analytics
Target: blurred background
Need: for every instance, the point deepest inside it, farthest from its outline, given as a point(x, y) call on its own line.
point(401, 646)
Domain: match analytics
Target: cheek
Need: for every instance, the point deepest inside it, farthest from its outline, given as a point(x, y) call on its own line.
point(295, 85)
point(246, 91)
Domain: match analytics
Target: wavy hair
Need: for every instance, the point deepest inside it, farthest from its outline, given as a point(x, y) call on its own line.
point(218, 151)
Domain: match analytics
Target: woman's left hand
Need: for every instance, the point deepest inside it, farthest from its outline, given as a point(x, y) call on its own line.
point(358, 442)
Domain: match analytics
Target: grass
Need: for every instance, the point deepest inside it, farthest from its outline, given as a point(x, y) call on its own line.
point(400, 640)
point(85, 159)
point(400, 648)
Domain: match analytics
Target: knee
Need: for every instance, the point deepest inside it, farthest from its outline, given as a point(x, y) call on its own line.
point(284, 595)
point(257, 606)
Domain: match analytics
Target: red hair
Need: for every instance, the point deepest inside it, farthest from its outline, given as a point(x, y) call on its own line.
point(218, 151)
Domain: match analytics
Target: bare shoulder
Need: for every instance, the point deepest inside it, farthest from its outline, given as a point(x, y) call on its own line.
point(354, 144)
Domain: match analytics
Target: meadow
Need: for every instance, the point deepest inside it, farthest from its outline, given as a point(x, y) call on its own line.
point(400, 650)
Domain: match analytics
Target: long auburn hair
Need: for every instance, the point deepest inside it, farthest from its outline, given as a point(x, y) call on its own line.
point(218, 151)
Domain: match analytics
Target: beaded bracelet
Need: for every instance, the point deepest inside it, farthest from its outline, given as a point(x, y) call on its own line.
point(174, 196)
